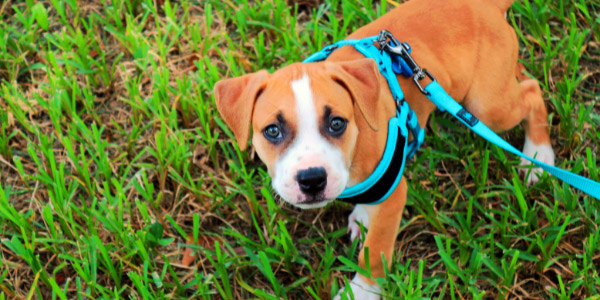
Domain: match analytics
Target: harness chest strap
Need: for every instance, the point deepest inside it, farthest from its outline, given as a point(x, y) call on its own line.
point(386, 176)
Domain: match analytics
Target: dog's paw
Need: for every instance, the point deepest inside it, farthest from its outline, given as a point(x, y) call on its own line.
point(360, 215)
point(360, 289)
point(543, 153)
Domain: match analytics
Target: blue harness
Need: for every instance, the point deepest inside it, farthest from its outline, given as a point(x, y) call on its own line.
point(393, 58)
point(386, 176)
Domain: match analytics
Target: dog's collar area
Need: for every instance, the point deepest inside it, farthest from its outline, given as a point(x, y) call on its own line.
point(386, 176)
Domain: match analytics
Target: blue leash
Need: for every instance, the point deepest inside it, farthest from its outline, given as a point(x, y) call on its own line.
point(444, 102)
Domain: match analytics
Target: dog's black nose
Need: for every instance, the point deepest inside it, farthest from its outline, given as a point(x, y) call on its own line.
point(312, 180)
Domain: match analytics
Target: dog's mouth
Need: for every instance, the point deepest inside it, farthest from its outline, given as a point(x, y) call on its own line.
point(313, 201)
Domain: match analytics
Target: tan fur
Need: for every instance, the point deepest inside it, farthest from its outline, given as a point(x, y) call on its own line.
point(503, 5)
point(361, 78)
point(235, 99)
point(382, 235)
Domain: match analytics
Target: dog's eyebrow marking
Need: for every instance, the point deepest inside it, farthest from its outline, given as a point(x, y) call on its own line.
point(325, 122)
point(280, 118)
point(288, 133)
point(327, 113)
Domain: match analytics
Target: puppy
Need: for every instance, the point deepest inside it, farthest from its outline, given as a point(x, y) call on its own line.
point(321, 127)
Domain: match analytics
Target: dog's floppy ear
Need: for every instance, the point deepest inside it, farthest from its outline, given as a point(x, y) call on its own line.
point(235, 98)
point(361, 78)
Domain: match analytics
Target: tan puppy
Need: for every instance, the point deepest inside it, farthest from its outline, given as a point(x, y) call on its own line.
point(320, 127)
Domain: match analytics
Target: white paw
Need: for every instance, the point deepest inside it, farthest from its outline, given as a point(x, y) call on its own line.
point(360, 290)
point(360, 215)
point(543, 153)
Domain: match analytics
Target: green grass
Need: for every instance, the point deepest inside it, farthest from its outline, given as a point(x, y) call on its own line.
point(112, 154)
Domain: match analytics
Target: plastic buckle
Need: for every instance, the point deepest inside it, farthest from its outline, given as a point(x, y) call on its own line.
point(467, 117)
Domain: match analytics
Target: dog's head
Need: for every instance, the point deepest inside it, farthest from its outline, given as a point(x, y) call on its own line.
point(304, 119)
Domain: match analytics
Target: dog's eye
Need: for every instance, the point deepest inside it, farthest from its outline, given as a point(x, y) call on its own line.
point(273, 133)
point(337, 125)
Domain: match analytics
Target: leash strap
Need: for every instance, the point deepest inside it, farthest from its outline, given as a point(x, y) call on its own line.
point(444, 102)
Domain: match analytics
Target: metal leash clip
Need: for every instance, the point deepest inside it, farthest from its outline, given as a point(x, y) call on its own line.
point(389, 44)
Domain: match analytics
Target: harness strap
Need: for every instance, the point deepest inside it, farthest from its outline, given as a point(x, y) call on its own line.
point(386, 176)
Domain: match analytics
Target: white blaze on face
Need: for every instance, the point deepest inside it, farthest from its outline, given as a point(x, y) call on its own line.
point(308, 150)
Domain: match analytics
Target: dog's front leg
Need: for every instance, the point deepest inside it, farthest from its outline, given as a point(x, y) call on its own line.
point(383, 222)
point(360, 216)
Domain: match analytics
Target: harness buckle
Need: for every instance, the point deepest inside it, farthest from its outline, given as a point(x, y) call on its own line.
point(389, 44)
